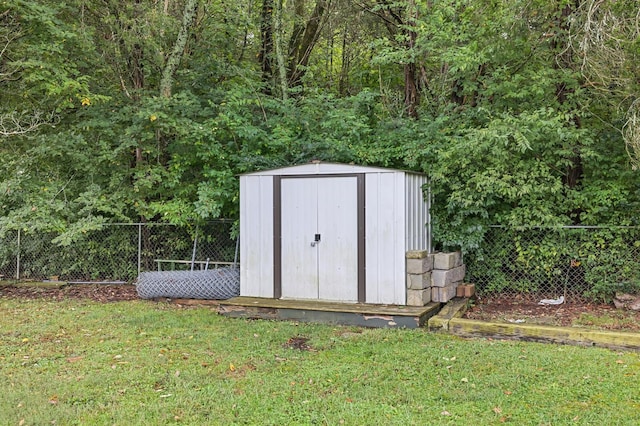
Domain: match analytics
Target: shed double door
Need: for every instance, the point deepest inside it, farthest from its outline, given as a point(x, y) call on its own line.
point(319, 238)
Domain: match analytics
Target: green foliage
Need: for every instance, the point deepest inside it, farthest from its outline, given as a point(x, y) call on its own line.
point(583, 263)
point(40, 60)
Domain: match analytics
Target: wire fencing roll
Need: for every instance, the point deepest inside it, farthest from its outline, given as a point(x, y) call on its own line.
point(221, 283)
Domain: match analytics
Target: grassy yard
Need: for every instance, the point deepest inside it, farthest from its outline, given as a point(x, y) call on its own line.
point(144, 363)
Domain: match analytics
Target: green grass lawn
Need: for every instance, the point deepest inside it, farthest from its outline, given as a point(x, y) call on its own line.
point(146, 363)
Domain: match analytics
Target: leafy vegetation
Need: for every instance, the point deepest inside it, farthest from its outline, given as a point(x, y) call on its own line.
point(590, 264)
point(80, 362)
point(522, 113)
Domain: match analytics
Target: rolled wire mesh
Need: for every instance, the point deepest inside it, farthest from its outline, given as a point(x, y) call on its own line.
point(220, 283)
point(579, 263)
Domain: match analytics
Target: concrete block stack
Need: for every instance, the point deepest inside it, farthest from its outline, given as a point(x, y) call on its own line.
point(448, 272)
point(434, 277)
point(419, 266)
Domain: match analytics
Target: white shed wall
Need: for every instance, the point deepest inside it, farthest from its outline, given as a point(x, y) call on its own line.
point(256, 236)
point(417, 213)
point(385, 223)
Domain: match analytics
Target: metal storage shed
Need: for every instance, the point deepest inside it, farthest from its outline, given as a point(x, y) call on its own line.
point(330, 232)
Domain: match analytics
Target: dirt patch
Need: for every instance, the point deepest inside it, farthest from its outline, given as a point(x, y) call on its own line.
point(98, 292)
point(298, 342)
point(512, 310)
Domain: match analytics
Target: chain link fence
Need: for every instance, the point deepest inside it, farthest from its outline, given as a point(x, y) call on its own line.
point(581, 264)
point(116, 252)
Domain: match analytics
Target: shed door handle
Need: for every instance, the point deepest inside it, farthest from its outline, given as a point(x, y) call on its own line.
point(316, 240)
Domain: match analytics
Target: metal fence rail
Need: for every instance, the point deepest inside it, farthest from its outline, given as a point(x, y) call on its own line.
point(588, 263)
point(115, 252)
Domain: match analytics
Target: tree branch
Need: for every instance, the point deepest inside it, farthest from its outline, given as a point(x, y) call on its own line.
point(15, 123)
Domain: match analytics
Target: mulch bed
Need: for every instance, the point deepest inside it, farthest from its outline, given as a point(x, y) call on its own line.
point(97, 292)
point(513, 310)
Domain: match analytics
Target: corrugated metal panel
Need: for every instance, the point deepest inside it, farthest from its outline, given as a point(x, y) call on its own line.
point(338, 249)
point(385, 281)
point(327, 268)
point(417, 212)
point(256, 236)
point(299, 224)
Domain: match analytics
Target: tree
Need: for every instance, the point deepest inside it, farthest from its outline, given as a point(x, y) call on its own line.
point(39, 75)
point(605, 36)
point(515, 109)
point(304, 38)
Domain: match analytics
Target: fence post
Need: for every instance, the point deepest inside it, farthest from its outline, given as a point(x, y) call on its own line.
point(139, 247)
point(18, 258)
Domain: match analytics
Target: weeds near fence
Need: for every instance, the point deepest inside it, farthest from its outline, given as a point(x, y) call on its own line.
point(579, 263)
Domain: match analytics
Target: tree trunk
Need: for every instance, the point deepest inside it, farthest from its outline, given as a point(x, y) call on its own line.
point(411, 93)
point(343, 82)
point(136, 68)
point(188, 18)
point(303, 40)
point(280, 59)
point(265, 56)
point(564, 60)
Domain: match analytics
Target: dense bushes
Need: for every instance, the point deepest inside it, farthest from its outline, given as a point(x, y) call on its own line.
point(578, 263)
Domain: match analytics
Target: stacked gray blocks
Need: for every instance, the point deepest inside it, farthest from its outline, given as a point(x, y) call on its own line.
point(433, 277)
point(448, 272)
point(419, 266)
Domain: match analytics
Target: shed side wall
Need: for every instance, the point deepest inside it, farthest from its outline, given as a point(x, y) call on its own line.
point(417, 212)
point(384, 215)
point(256, 236)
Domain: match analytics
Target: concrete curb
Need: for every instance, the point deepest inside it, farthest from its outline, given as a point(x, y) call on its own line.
point(450, 320)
